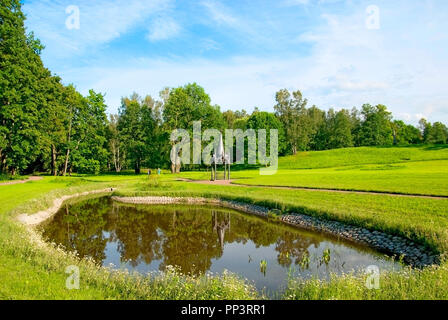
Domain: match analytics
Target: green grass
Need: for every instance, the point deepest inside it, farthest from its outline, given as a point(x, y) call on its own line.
point(418, 178)
point(364, 155)
point(366, 169)
point(427, 284)
point(32, 270)
point(7, 177)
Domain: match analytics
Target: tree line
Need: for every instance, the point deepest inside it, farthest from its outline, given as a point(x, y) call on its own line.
point(50, 127)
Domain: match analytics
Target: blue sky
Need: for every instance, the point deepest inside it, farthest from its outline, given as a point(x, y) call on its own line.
point(243, 51)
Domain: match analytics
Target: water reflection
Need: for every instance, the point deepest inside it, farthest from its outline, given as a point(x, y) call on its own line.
point(201, 239)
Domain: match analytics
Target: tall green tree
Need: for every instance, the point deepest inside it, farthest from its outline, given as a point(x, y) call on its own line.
point(291, 110)
point(51, 122)
point(91, 152)
point(339, 129)
point(405, 134)
point(21, 72)
point(116, 148)
point(437, 134)
point(376, 126)
point(268, 121)
point(188, 104)
point(137, 125)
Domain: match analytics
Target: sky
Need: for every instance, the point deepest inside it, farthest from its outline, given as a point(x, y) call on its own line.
point(339, 53)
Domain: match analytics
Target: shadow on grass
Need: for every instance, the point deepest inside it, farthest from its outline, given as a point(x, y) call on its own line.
point(436, 147)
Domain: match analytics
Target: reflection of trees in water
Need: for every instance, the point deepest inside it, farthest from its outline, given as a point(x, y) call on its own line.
point(80, 227)
point(187, 237)
point(292, 248)
point(136, 242)
point(188, 242)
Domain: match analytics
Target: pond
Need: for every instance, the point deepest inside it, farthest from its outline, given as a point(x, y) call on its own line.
point(200, 239)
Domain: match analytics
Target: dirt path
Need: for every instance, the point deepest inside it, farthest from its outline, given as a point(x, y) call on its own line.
point(21, 181)
point(41, 216)
point(232, 184)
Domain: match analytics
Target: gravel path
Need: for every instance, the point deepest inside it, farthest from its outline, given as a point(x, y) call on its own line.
point(39, 217)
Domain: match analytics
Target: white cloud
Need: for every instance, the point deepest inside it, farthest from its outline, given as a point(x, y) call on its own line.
point(101, 21)
point(163, 28)
point(220, 14)
point(402, 65)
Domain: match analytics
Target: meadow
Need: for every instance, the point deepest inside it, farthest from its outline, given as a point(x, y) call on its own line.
point(413, 170)
point(35, 270)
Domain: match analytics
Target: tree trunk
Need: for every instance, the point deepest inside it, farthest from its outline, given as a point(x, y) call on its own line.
point(54, 171)
point(67, 155)
point(2, 162)
point(69, 140)
point(137, 167)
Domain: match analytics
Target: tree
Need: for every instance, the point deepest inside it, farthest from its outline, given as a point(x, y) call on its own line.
point(268, 121)
point(316, 127)
point(51, 120)
point(132, 130)
point(438, 133)
point(231, 117)
point(425, 128)
point(188, 104)
point(91, 152)
point(405, 134)
point(375, 128)
point(115, 144)
point(339, 128)
point(21, 75)
point(291, 110)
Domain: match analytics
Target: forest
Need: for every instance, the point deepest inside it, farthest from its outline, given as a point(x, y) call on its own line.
point(48, 126)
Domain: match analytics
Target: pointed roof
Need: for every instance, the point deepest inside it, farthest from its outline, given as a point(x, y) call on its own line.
point(220, 150)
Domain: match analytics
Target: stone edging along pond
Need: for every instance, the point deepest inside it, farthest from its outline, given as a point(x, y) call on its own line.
point(413, 254)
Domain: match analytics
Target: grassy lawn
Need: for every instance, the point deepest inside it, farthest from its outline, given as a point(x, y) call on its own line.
point(30, 269)
point(371, 169)
point(424, 177)
point(364, 155)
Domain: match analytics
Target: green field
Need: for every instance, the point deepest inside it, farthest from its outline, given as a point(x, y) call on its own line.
point(29, 269)
point(418, 171)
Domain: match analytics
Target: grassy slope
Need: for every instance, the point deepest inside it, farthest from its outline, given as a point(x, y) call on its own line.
point(410, 170)
point(364, 155)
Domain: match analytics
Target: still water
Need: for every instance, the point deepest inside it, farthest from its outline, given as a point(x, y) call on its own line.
point(199, 239)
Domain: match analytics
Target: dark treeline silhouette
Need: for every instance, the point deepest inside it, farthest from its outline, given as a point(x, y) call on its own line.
point(50, 127)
